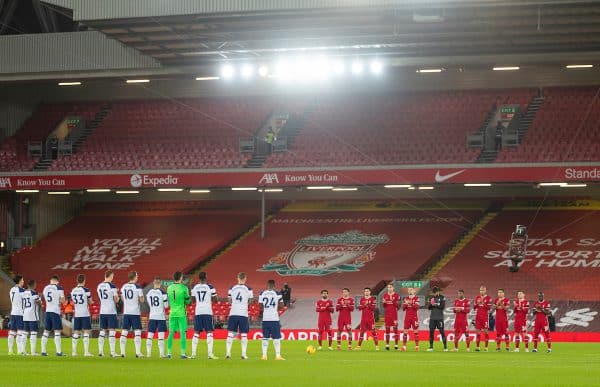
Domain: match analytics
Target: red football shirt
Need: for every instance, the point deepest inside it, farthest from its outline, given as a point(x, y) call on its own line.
point(368, 306)
point(521, 308)
point(391, 304)
point(482, 305)
point(345, 306)
point(502, 304)
point(325, 310)
point(541, 318)
point(411, 306)
point(461, 309)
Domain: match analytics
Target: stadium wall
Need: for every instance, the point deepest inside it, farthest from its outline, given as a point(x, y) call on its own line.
point(12, 116)
point(47, 213)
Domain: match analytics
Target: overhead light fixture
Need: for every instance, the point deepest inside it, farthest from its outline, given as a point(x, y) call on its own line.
point(345, 189)
point(319, 187)
point(227, 71)
point(69, 83)
point(551, 184)
point(207, 78)
point(127, 192)
point(137, 81)
point(98, 190)
point(198, 191)
point(575, 185)
point(426, 187)
point(27, 190)
point(411, 188)
point(506, 68)
point(425, 71)
point(580, 66)
point(376, 67)
point(271, 190)
point(357, 68)
point(170, 189)
point(338, 68)
point(243, 188)
point(59, 193)
point(247, 71)
point(477, 185)
point(397, 186)
point(263, 71)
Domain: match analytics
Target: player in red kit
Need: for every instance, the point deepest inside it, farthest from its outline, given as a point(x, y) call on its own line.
point(482, 305)
point(344, 306)
point(325, 310)
point(541, 326)
point(501, 305)
point(367, 305)
point(521, 307)
point(461, 310)
point(410, 305)
point(391, 304)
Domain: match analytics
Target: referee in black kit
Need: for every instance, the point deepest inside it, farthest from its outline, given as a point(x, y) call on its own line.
point(436, 304)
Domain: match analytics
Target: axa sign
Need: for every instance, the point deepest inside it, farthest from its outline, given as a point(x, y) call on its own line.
point(269, 178)
point(5, 182)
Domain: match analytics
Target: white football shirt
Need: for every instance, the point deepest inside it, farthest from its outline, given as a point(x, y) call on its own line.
point(270, 301)
point(157, 300)
point(52, 294)
point(106, 293)
point(240, 295)
point(131, 293)
point(16, 299)
point(203, 293)
point(30, 306)
point(80, 296)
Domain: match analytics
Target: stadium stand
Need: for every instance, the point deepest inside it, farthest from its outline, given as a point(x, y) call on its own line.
point(567, 128)
point(563, 260)
point(395, 128)
point(327, 244)
point(13, 151)
point(155, 237)
point(168, 134)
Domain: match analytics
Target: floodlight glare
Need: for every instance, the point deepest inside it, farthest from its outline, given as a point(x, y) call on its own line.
point(376, 67)
point(227, 71)
point(247, 71)
point(357, 68)
point(263, 71)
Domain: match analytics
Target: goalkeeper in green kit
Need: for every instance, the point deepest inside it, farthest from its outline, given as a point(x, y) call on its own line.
point(179, 297)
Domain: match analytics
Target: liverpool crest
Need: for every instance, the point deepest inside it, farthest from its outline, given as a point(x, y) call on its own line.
point(319, 255)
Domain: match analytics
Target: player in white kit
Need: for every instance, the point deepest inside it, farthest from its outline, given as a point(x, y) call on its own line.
point(239, 296)
point(31, 303)
point(204, 294)
point(54, 295)
point(109, 296)
point(132, 295)
point(157, 301)
point(82, 321)
point(15, 326)
point(271, 302)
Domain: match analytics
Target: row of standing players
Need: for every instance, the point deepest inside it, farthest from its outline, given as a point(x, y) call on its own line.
point(483, 304)
point(24, 316)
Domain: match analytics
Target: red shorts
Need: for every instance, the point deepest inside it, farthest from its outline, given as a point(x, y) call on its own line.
point(459, 331)
point(539, 328)
point(501, 327)
point(324, 326)
point(520, 326)
point(391, 321)
point(482, 322)
point(367, 325)
point(344, 325)
point(411, 323)
point(460, 326)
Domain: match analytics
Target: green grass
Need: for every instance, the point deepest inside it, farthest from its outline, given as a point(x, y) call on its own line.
point(569, 365)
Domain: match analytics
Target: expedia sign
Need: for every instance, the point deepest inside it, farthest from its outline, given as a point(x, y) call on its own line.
point(138, 181)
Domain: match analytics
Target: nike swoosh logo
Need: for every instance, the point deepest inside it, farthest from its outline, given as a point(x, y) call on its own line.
point(442, 178)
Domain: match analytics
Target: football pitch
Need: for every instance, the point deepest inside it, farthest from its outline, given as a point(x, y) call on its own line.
point(571, 364)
